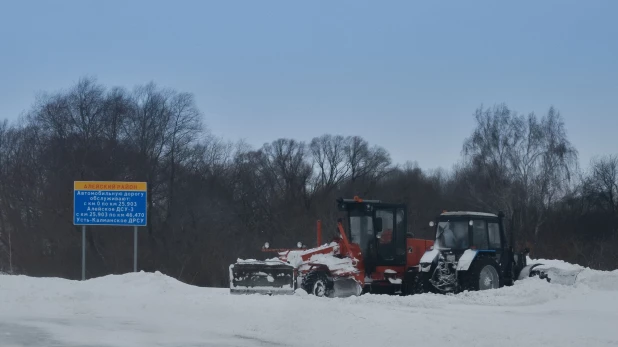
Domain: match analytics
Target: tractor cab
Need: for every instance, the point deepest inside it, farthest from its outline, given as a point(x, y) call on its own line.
point(378, 228)
point(459, 231)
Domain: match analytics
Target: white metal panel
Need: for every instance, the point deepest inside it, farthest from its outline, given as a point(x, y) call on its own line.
point(466, 260)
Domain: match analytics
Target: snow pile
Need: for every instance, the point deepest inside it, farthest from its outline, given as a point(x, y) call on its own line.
point(273, 261)
point(337, 266)
point(585, 277)
point(144, 309)
point(295, 258)
point(300, 259)
point(599, 281)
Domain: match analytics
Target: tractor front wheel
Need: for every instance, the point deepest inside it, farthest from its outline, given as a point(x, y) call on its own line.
point(317, 283)
point(483, 274)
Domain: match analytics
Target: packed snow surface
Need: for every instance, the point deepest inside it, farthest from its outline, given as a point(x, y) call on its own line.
point(146, 309)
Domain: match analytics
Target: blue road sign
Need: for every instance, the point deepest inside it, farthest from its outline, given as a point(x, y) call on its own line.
point(110, 203)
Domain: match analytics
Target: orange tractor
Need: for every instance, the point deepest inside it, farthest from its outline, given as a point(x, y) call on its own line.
point(372, 252)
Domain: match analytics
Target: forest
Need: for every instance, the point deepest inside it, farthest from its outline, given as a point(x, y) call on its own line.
point(211, 201)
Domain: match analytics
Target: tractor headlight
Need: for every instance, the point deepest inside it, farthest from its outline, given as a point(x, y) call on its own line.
point(299, 245)
point(266, 245)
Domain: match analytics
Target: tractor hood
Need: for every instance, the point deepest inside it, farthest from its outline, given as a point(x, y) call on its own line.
point(429, 257)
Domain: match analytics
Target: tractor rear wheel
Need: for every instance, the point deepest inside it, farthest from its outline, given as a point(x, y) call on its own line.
point(317, 283)
point(483, 274)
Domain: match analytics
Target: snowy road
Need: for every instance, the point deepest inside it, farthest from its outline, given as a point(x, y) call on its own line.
point(155, 310)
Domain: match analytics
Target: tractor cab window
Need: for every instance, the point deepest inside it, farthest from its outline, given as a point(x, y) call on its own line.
point(479, 234)
point(494, 235)
point(452, 234)
point(385, 235)
point(361, 230)
point(400, 230)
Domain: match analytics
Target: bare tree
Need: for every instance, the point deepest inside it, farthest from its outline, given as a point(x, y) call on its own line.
point(184, 127)
point(519, 164)
point(603, 182)
point(285, 161)
point(5, 232)
point(146, 131)
point(329, 157)
point(363, 161)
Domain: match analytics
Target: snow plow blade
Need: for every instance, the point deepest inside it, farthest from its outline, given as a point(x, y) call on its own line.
point(262, 277)
point(551, 274)
point(346, 287)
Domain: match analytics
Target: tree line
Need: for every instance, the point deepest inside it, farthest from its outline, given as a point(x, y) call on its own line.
point(211, 201)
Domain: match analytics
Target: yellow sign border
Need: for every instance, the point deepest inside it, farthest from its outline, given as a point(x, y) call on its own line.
point(110, 185)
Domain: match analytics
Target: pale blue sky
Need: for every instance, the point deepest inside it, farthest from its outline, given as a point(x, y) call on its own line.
point(406, 75)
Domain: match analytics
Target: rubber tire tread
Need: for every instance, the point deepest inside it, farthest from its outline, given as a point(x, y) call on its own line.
point(470, 280)
point(312, 277)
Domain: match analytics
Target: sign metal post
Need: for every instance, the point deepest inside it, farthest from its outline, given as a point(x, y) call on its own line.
point(135, 249)
point(83, 252)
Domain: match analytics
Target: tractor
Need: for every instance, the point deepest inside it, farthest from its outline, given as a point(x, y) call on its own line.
point(471, 253)
point(371, 252)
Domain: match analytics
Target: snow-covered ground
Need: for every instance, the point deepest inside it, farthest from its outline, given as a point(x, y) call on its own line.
point(155, 310)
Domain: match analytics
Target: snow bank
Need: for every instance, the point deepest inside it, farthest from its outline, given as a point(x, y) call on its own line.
point(586, 277)
point(560, 264)
point(148, 309)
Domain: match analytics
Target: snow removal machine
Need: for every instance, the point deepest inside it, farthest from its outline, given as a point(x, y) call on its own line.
point(371, 252)
point(471, 252)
